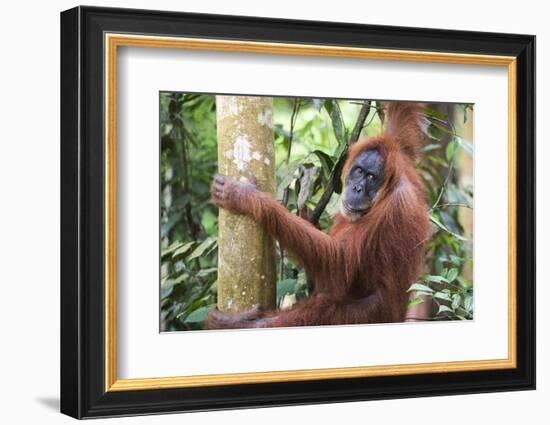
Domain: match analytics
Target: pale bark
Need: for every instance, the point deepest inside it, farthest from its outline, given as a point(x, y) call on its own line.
point(246, 254)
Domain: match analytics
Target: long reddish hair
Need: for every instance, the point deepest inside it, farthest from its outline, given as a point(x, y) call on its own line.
point(387, 243)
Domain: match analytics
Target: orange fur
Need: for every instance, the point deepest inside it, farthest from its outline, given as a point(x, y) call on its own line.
point(361, 269)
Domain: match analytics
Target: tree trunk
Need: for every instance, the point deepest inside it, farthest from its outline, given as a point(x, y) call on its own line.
point(246, 254)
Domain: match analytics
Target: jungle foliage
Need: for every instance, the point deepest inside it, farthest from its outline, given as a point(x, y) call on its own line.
point(311, 140)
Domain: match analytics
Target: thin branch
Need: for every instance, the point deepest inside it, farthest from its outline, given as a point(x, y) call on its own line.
point(378, 108)
point(444, 186)
point(448, 176)
point(293, 118)
point(451, 204)
point(193, 228)
point(360, 123)
point(370, 121)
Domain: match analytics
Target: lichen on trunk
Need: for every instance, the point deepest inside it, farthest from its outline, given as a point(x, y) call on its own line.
point(246, 254)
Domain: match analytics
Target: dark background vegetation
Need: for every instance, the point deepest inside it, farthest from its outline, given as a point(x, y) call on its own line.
point(311, 138)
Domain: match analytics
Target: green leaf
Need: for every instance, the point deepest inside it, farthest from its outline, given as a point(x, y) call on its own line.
point(434, 278)
point(464, 282)
point(181, 278)
point(172, 221)
point(213, 247)
point(442, 296)
point(436, 114)
point(318, 103)
point(165, 291)
point(207, 272)
point(183, 249)
point(435, 132)
point(455, 260)
point(327, 162)
point(456, 301)
point(452, 275)
point(337, 120)
point(465, 111)
point(436, 160)
point(420, 287)
point(430, 147)
point(170, 249)
point(286, 286)
point(205, 244)
point(444, 309)
point(286, 175)
point(198, 315)
point(336, 175)
point(280, 131)
point(442, 227)
point(450, 150)
point(422, 293)
point(307, 183)
point(468, 302)
point(416, 301)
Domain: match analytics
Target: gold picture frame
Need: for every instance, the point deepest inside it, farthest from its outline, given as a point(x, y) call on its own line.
point(91, 40)
point(114, 41)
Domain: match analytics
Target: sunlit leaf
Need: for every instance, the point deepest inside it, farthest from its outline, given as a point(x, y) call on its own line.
point(287, 175)
point(198, 315)
point(452, 274)
point(438, 161)
point(183, 249)
point(416, 301)
point(442, 227)
point(204, 245)
point(180, 278)
point(420, 287)
point(434, 278)
point(455, 260)
point(430, 147)
point(450, 150)
point(444, 309)
point(433, 113)
point(442, 296)
point(170, 249)
point(456, 301)
point(207, 272)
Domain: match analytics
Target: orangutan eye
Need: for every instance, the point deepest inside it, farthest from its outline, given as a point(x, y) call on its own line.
point(370, 176)
point(359, 171)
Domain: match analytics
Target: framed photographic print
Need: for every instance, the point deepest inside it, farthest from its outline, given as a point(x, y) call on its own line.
point(261, 212)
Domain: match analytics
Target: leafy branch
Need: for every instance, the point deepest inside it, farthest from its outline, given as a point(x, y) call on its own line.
point(337, 170)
